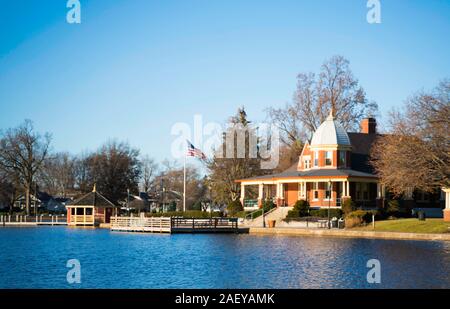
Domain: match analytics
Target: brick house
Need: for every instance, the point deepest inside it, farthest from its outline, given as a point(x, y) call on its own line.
point(332, 167)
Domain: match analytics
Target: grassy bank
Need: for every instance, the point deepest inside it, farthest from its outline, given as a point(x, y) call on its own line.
point(433, 226)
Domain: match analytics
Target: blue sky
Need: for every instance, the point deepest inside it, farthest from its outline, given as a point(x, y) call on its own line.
point(133, 68)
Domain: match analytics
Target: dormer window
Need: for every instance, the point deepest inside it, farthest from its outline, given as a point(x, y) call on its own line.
point(328, 158)
point(316, 158)
point(307, 163)
point(342, 158)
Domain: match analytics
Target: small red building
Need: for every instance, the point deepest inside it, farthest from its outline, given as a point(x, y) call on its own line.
point(91, 209)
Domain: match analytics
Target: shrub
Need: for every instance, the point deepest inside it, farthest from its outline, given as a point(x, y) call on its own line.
point(268, 205)
point(393, 206)
point(359, 217)
point(395, 210)
point(348, 206)
point(302, 207)
point(323, 213)
point(234, 207)
point(293, 214)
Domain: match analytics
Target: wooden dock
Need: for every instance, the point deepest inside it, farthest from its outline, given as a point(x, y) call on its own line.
point(174, 225)
point(140, 224)
point(23, 220)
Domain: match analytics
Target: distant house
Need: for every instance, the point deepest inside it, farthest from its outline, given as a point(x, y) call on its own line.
point(35, 202)
point(91, 209)
point(57, 204)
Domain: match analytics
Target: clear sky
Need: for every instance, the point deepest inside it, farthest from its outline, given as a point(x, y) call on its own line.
point(133, 68)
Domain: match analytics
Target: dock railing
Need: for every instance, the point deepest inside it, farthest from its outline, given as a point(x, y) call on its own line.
point(141, 224)
point(16, 219)
point(205, 224)
point(173, 224)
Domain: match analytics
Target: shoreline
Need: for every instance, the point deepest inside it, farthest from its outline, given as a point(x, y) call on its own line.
point(290, 231)
point(347, 234)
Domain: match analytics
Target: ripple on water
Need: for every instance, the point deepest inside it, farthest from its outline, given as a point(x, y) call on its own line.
point(36, 258)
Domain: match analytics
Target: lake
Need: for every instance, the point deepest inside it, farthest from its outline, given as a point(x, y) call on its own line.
point(36, 257)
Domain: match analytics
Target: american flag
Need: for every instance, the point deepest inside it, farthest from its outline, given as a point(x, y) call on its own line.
point(194, 152)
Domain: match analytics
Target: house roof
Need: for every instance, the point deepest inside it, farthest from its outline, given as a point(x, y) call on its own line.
point(93, 199)
point(330, 132)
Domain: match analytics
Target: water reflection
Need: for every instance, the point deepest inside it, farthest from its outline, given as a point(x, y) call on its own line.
point(36, 257)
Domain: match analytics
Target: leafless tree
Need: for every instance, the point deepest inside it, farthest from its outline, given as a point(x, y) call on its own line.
point(172, 177)
point(58, 174)
point(334, 88)
point(23, 152)
point(115, 168)
point(416, 153)
point(149, 170)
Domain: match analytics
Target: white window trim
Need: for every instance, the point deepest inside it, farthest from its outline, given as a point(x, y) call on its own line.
point(331, 158)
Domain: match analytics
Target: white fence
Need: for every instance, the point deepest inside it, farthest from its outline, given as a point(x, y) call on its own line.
point(141, 224)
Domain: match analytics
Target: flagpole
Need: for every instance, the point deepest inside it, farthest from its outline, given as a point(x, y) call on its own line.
point(184, 184)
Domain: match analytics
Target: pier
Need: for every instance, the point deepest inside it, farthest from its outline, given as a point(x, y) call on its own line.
point(24, 220)
point(174, 225)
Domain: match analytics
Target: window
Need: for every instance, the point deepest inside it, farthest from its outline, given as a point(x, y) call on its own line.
point(316, 158)
point(362, 191)
point(88, 211)
point(307, 163)
point(342, 157)
point(315, 189)
point(328, 158)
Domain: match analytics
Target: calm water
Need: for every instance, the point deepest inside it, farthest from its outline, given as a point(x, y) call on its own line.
point(36, 258)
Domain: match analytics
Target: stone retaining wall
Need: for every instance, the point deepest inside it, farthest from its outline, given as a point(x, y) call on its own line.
point(348, 233)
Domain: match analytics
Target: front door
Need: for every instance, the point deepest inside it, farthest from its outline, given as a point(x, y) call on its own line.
point(291, 193)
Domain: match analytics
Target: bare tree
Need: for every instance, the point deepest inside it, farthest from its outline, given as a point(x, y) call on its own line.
point(149, 170)
point(334, 88)
point(417, 152)
point(9, 189)
point(23, 152)
point(58, 174)
point(172, 177)
point(115, 168)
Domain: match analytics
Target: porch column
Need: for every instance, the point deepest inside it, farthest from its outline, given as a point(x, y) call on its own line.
point(280, 194)
point(447, 204)
point(303, 190)
point(260, 194)
point(242, 193)
point(380, 196)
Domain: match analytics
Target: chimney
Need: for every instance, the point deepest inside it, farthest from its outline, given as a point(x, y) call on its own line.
point(369, 126)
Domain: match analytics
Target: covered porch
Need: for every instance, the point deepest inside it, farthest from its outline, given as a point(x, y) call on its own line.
point(319, 192)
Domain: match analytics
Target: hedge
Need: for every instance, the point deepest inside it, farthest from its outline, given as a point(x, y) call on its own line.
point(323, 213)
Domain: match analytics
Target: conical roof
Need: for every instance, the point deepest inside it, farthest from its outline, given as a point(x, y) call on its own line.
point(93, 199)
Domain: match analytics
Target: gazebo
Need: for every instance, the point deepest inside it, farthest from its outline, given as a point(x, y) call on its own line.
point(91, 209)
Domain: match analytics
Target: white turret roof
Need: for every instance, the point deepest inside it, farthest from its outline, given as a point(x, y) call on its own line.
point(330, 132)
